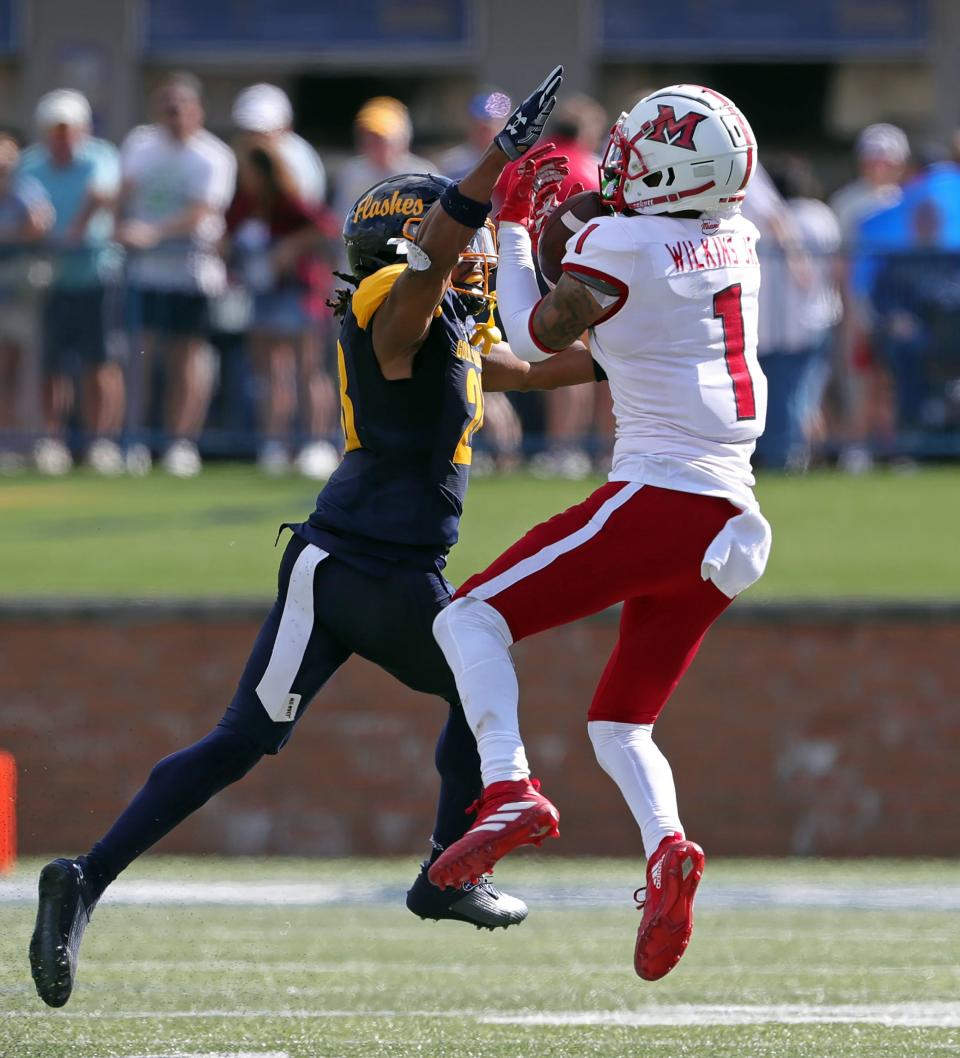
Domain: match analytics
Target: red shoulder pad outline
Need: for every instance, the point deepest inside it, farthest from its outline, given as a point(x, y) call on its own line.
point(603, 282)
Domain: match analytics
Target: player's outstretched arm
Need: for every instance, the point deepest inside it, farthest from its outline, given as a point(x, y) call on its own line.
point(504, 372)
point(401, 324)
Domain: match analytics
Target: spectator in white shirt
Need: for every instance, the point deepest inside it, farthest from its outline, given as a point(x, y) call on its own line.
point(265, 110)
point(882, 153)
point(177, 181)
point(799, 309)
point(263, 116)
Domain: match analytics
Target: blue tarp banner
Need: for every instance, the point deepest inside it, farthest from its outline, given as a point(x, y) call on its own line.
point(315, 25)
point(726, 28)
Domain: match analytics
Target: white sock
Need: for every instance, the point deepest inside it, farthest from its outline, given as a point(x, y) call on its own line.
point(627, 753)
point(475, 640)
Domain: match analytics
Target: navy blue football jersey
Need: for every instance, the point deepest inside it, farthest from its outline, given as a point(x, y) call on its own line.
point(397, 496)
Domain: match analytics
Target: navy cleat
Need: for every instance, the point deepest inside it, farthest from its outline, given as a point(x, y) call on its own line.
point(482, 905)
point(62, 916)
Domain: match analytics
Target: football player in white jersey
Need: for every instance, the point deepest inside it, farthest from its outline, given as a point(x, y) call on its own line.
point(666, 287)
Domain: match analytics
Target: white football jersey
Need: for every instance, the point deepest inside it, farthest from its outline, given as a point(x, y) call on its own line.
point(679, 345)
point(164, 176)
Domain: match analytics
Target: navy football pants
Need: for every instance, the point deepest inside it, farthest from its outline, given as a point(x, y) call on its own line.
point(325, 611)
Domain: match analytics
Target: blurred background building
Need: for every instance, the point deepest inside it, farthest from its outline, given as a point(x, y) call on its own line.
point(369, 88)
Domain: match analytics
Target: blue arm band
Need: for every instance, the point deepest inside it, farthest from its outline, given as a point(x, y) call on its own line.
point(463, 210)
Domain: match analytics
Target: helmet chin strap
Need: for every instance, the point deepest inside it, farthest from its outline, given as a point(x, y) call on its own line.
point(487, 334)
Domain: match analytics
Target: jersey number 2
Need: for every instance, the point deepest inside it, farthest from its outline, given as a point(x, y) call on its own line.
point(728, 307)
point(464, 452)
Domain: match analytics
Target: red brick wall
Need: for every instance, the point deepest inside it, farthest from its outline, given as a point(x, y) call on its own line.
point(795, 731)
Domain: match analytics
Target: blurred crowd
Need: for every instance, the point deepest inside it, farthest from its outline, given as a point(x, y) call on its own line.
point(167, 300)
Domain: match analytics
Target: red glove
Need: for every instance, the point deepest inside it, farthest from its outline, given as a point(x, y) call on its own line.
point(545, 202)
point(531, 183)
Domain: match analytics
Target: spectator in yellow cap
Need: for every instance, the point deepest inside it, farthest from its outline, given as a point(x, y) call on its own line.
point(383, 131)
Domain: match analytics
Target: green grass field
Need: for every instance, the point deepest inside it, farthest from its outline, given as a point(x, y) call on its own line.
point(882, 535)
point(781, 966)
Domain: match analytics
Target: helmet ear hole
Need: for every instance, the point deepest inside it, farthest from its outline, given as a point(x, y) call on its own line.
point(657, 178)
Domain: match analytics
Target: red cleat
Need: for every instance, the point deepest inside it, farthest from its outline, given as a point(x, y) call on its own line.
point(508, 814)
point(673, 874)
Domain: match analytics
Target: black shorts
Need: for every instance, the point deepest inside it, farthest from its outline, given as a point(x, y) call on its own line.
point(78, 330)
point(171, 313)
point(326, 611)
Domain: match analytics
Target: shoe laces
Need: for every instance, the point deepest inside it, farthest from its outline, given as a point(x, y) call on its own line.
point(484, 884)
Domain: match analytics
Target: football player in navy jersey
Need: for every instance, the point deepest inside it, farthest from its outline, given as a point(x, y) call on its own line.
point(363, 575)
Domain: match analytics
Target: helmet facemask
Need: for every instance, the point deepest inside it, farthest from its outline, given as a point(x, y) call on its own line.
point(481, 251)
point(615, 166)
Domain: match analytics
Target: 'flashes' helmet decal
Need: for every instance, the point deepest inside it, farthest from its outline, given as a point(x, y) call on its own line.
point(374, 228)
point(381, 229)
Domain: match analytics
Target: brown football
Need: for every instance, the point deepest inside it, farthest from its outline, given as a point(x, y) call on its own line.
point(566, 220)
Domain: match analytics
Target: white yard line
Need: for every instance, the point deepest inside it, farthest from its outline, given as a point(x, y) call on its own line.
point(258, 967)
point(944, 898)
point(216, 1054)
point(907, 1015)
point(945, 1014)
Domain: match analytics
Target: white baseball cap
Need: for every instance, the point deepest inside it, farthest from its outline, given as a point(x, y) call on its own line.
point(262, 108)
point(63, 106)
point(883, 142)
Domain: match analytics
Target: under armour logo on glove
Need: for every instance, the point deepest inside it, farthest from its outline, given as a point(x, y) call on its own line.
point(526, 123)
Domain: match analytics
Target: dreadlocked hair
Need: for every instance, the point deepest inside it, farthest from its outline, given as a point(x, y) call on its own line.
point(340, 301)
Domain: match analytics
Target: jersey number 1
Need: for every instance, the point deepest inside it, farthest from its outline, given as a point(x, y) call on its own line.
point(728, 307)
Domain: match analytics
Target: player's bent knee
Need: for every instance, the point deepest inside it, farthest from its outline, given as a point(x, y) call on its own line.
point(611, 738)
point(242, 748)
point(469, 619)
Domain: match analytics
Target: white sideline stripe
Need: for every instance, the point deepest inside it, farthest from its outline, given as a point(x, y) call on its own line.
point(932, 1014)
point(761, 896)
point(216, 1054)
point(534, 563)
point(293, 634)
point(257, 967)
